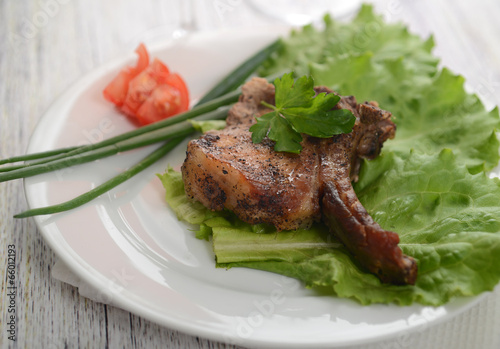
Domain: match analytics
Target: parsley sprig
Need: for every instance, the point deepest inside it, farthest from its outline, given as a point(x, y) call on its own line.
point(299, 110)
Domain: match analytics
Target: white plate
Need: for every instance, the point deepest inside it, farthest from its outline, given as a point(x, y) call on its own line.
point(131, 248)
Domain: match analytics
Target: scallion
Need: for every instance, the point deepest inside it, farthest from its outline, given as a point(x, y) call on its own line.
point(106, 186)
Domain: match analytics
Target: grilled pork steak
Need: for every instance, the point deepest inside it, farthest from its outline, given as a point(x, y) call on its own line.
point(225, 169)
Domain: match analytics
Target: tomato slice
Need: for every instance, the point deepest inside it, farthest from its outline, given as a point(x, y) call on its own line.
point(116, 90)
point(141, 87)
point(166, 100)
point(148, 92)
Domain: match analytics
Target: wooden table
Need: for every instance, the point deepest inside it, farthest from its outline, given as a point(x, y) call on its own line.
point(45, 46)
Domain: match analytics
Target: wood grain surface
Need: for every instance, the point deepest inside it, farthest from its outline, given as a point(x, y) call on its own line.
point(47, 45)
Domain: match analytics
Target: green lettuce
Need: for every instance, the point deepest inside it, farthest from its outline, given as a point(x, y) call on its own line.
point(365, 33)
point(429, 185)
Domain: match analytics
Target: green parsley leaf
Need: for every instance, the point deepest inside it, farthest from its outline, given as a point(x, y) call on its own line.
point(299, 110)
point(316, 122)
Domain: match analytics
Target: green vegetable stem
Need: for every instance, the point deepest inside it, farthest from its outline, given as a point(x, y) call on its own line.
point(105, 149)
point(106, 186)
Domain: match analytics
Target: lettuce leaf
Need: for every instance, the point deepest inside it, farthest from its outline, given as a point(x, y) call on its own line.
point(428, 185)
point(337, 40)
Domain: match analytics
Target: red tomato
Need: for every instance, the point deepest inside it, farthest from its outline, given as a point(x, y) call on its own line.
point(166, 100)
point(148, 92)
point(116, 90)
point(141, 87)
